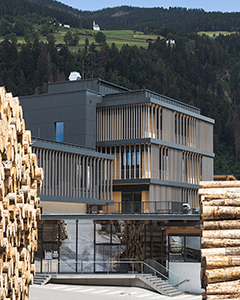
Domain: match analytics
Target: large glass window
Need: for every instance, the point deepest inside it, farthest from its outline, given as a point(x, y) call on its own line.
point(59, 131)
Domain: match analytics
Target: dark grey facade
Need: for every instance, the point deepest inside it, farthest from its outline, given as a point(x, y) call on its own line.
point(71, 102)
point(76, 109)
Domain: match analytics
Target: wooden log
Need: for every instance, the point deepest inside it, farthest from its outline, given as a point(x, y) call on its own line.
point(220, 212)
point(221, 234)
point(223, 191)
point(8, 165)
point(38, 173)
point(221, 202)
point(218, 196)
point(2, 190)
point(25, 190)
point(12, 212)
point(223, 224)
point(214, 262)
point(219, 184)
point(4, 245)
point(20, 198)
point(210, 195)
point(216, 297)
point(228, 251)
point(221, 288)
point(219, 243)
point(12, 198)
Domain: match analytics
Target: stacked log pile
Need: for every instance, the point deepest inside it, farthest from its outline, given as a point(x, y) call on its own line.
point(20, 181)
point(220, 243)
point(134, 235)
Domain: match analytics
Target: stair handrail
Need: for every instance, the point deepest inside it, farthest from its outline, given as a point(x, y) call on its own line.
point(133, 262)
point(162, 266)
point(173, 275)
point(155, 271)
point(183, 281)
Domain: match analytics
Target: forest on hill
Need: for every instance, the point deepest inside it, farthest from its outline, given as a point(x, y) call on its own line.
point(137, 18)
point(176, 19)
point(198, 70)
point(36, 13)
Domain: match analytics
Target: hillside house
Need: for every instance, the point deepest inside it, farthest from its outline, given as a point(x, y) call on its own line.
point(171, 41)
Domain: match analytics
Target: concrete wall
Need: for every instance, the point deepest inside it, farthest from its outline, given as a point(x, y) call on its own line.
point(190, 271)
point(103, 279)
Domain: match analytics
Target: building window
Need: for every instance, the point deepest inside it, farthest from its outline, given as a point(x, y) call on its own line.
point(183, 167)
point(131, 202)
point(184, 248)
point(166, 157)
point(163, 163)
point(59, 131)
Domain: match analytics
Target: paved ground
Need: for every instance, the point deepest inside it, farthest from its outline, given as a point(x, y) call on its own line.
point(86, 292)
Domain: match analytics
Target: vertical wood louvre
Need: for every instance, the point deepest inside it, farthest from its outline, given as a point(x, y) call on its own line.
point(73, 175)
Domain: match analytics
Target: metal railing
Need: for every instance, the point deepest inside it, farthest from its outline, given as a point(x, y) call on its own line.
point(110, 267)
point(143, 207)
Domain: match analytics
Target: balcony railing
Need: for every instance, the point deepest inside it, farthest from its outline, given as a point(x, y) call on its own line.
point(145, 207)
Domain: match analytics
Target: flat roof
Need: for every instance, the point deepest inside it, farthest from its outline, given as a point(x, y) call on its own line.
point(69, 148)
point(143, 96)
point(91, 79)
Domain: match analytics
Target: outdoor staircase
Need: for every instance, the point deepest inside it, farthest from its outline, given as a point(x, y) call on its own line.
point(41, 279)
point(159, 285)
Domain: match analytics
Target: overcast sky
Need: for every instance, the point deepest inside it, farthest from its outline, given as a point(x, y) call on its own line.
point(207, 5)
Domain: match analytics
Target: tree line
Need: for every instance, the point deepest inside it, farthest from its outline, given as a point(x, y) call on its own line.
point(177, 19)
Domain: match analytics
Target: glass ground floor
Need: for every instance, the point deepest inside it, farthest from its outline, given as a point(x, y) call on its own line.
point(87, 246)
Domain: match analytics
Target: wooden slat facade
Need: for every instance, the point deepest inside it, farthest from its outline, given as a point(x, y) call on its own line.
point(179, 153)
point(73, 175)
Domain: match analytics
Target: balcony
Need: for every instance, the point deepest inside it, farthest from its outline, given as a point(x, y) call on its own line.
point(145, 207)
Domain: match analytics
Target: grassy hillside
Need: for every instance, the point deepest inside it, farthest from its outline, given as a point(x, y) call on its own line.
point(119, 37)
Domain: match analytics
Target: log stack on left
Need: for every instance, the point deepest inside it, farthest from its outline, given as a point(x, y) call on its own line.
point(20, 181)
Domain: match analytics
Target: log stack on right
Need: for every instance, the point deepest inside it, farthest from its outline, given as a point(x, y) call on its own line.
point(220, 243)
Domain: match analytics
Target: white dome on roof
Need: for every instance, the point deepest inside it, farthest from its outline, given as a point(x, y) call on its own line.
point(74, 76)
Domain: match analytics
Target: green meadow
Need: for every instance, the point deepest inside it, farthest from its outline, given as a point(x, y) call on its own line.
point(119, 37)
